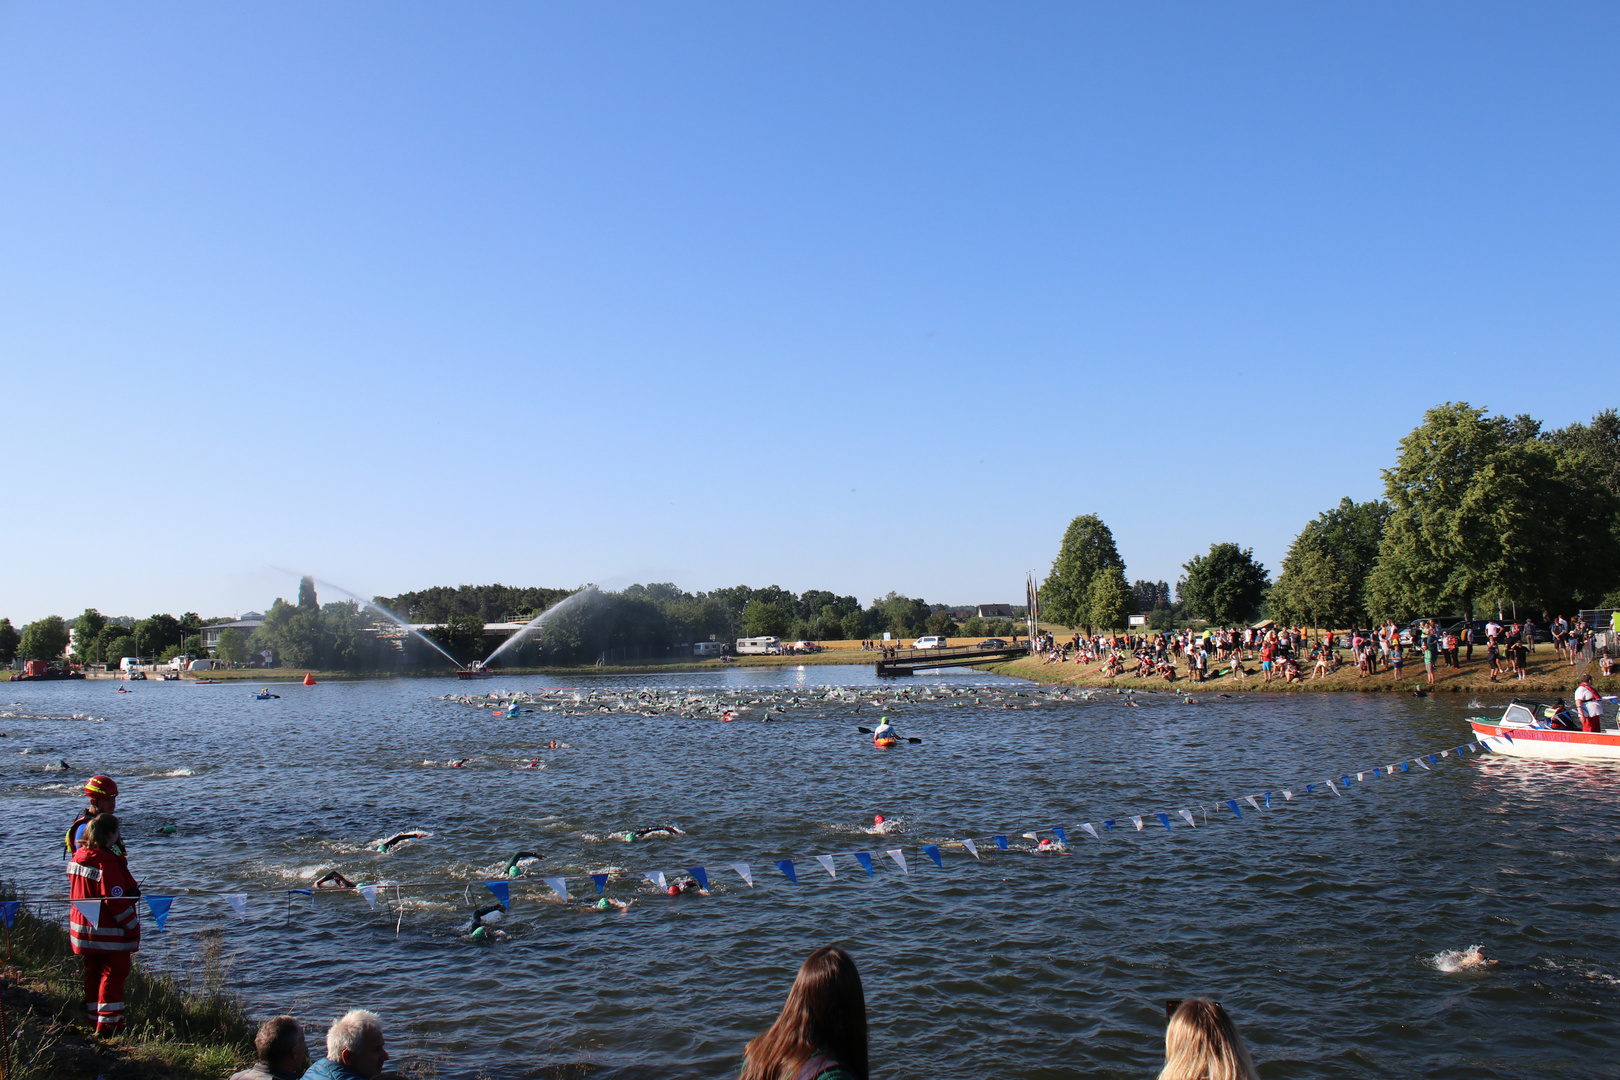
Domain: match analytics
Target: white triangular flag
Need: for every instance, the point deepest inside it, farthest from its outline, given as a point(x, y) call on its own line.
point(973, 849)
point(558, 885)
point(1288, 796)
point(90, 909)
point(1137, 822)
point(237, 901)
point(1390, 769)
point(1335, 788)
point(899, 857)
point(826, 862)
point(1252, 801)
point(1188, 815)
point(1361, 777)
point(370, 893)
point(743, 872)
point(1420, 761)
point(1092, 830)
point(657, 878)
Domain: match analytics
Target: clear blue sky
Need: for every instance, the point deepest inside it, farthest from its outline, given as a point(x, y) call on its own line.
point(846, 296)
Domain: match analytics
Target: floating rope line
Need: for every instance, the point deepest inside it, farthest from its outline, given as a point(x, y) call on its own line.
point(1259, 801)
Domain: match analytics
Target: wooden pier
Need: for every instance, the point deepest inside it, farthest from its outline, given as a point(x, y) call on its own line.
point(911, 661)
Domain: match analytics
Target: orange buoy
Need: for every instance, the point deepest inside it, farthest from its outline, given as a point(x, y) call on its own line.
point(309, 679)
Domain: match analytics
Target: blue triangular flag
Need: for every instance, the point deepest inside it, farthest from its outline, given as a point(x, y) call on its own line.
point(1345, 779)
point(865, 859)
point(1405, 767)
point(1063, 837)
point(1233, 804)
point(158, 905)
point(1164, 819)
point(1268, 800)
point(1433, 760)
point(601, 882)
point(8, 911)
point(786, 866)
point(1309, 788)
point(1001, 841)
point(932, 851)
point(1109, 824)
point(701, 875)
point(502, 891)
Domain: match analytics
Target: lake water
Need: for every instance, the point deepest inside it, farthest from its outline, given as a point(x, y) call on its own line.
point(1316, 923)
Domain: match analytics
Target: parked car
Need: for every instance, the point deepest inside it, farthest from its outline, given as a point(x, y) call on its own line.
point(932, 641)
point(992, 643)
point(805, 647)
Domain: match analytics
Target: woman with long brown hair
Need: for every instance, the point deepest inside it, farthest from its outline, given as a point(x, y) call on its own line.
point(822, 1030)
point(1202, 1043)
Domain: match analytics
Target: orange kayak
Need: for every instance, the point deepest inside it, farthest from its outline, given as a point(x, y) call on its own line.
point(885, 742)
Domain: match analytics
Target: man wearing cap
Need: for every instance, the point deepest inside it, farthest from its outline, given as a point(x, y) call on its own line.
point(103, 794)
point(1590, 705)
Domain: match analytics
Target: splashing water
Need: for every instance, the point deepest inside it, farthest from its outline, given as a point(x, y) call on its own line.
point(401, 623)
point(1450, 960)
point(534, 623)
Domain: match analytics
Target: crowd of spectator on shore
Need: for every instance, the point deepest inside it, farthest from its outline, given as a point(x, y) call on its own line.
point(1294, 654)
point(820, 1034)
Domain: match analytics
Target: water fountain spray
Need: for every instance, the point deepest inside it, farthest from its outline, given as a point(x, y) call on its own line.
point(534, 623)
point(395, 619)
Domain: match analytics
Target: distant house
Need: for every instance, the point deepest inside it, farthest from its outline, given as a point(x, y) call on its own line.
point(247, 624)
point(995, 611)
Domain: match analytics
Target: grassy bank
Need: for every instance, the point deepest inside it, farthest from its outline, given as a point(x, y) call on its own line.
point(1549, 676)
point(175, 1031)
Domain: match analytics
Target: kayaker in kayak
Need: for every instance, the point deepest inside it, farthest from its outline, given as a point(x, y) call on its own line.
point(884, 730)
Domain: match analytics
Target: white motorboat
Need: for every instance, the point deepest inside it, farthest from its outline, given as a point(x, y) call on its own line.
point(1524, 731)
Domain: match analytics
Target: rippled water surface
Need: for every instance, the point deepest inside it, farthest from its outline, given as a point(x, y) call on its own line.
point(1318, 923)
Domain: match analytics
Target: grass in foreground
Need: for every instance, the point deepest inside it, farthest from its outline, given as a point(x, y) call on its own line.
point(175, 1031)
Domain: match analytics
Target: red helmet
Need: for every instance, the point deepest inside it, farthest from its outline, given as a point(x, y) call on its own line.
point(101, 787)
point(878, 820)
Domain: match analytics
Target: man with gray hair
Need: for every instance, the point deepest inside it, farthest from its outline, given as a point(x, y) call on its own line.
point(354, 1049)
point(282, 1053)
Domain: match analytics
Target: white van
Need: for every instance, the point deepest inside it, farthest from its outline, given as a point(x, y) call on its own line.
point(129, 663)
point(759, 646)
point(708, 648)
point(932, 641)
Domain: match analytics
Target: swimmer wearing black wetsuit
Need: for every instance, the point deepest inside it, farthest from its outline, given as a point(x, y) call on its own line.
point(332, 879)
point(398, 837)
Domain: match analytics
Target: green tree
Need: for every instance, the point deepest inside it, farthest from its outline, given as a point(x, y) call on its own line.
point(1225, 586)
point(232, 647)
point(1313, 588)
point(10, 640)
point(854, 627)
point(157, 633)
point(306, 594)
point(764, 619)
point(1109, 601)
point(119, 645)
point(974, 627)
point(45, 639)
point(1346, 539)
point(941, 623)
point(462, 637)
point(1088, 548)
point(86, 631)
point(1596, 446)
point(1484, 509)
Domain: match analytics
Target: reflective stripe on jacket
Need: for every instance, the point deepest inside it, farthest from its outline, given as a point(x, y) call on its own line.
point(96, 874)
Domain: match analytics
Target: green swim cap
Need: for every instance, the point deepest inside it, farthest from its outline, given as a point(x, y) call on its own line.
point(513, 871)
point(629, 837)
point(480, 934)
point(170, 830)
point(602, 904)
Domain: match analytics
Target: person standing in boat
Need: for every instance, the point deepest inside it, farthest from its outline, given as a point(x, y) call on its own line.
point(1590, 706)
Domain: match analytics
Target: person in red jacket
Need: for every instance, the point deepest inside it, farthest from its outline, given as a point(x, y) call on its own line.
point(108, 940)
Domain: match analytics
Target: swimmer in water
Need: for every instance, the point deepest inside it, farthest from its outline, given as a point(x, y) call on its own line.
point(656, 830)
point(491, 914)
point(512, 869)
point(332, 880)
point(384, 845)
point(686, 885)
point(609, 904)
point(882, 826)
point(458, 764)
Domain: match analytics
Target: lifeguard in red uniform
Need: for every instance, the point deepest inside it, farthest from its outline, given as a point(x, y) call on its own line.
point(106, 933)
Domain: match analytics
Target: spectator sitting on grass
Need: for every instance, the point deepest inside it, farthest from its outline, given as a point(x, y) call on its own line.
point(282, 1052)
point(354, 1049)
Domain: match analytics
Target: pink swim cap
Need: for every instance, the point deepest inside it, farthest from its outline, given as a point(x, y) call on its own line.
point(878, 820)
point(674, 890)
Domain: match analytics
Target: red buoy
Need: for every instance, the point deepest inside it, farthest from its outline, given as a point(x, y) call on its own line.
point(309, 679)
